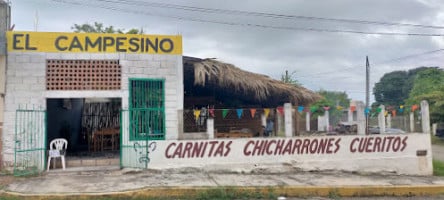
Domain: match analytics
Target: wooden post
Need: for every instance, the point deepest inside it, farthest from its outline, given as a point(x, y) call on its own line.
point(389, 121)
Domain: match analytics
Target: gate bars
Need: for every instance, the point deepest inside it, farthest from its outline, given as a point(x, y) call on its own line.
point(30, 141)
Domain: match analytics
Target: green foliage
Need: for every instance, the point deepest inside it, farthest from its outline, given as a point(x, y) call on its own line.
point(290, 78)
point(394, 87)
point(331, 99)
point(100, 28)
point(429, 85)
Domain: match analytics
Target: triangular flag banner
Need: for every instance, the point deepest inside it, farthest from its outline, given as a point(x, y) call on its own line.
point(252, 112)
point(401, 106)
point(414, 107)
point(366, 111)
point(326, 108)
point(224, 112)
point(386, 113)
point(300, 109)
point(339, 108)
point(239, 113)
point(196, 114)
point(266, 112)
point(280, 110)
point(393, 113)
point(401, 110)
point(211, 111)
point(378, 110)
point(352, 108)
point(313, 109)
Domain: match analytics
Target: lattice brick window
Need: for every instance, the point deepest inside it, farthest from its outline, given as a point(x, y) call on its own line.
point(83, 75)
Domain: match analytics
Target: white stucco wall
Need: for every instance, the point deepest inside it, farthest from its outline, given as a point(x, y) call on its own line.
point(381, 153)
point(26, 85)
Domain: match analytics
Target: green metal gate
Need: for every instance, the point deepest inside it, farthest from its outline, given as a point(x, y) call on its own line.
point(30, 141)
point(143, 123)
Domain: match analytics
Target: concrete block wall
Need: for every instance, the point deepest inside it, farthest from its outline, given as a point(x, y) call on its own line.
point(26, 85)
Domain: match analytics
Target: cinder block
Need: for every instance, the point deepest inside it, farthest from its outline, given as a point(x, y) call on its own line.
point(83, 56)
point(132, 57)
point(23, 58)
point(53, 56)
point(38, 58)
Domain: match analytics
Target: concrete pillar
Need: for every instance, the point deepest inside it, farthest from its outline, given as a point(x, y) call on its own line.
point(389, 121)
point(321, 126)
point(307, 121)
point(425, 117)
point(412, 122)
point(210, 128)
point(360, 115)
point(381, 119)
point(280, 125)
point(288, 120)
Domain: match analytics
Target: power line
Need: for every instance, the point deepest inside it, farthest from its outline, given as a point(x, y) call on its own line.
point(263, 14)
point(378, 63)
point(252, 24)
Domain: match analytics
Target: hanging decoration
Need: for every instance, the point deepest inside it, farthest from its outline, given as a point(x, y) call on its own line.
point(313, 109)
point(196, 114)
point(366, 111)
point(339, 108)
point(300, 109)
point(386, 113)
point(280, 110)
point(252, 112)
point(414, 107)
point(378, 110)
point(393, 113)
point(211, 111)
point(326, 108)
point(401, 109)
point(239, 112)
point(266, 112)
point(352, 108)
point(224, 113)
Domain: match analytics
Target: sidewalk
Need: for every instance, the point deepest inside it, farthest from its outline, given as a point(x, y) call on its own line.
point(280, 180)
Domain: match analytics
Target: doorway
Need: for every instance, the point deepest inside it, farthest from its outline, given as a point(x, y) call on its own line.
point(91, 126)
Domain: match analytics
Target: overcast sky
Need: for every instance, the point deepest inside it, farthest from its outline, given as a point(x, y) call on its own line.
point(254, 40)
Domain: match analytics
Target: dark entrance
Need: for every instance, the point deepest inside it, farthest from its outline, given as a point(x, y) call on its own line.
point(91, 126)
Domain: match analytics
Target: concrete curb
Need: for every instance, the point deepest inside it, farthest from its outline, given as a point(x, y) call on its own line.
point(250, 191)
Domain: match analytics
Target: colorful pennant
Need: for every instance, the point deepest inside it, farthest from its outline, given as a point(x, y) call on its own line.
point(239, 113)
point(252, 112)
point(280, 110)
point(300, 109)
point(266, 112)
point(224, 113)
point(196, 114)
point(211, 111)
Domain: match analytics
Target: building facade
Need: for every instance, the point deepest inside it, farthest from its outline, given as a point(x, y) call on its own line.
point(62, 71)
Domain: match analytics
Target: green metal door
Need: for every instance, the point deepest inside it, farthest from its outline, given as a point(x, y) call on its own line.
point(143, 123)
point(30, 141)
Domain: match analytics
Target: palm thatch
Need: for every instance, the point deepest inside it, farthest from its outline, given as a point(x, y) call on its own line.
point(255, 87)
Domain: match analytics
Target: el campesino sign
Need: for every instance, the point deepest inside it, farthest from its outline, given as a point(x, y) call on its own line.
point(93, 43)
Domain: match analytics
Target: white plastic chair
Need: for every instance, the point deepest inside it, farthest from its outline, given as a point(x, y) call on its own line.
point(57, 149)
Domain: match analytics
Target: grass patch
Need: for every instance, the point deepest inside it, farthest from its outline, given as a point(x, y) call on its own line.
point(438, 168)
point(437, 140)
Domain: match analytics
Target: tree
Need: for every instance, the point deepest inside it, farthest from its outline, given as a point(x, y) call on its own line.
point(99, 28)
point(394, 87)
point(289, 78)
point(332, 99)
point(429, 85)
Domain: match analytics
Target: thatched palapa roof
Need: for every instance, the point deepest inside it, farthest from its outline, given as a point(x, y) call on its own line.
point(256, 88)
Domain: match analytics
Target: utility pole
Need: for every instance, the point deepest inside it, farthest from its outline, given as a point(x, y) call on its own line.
point(367, 93)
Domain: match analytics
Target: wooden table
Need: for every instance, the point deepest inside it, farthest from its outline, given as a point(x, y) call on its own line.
point(106, 139)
